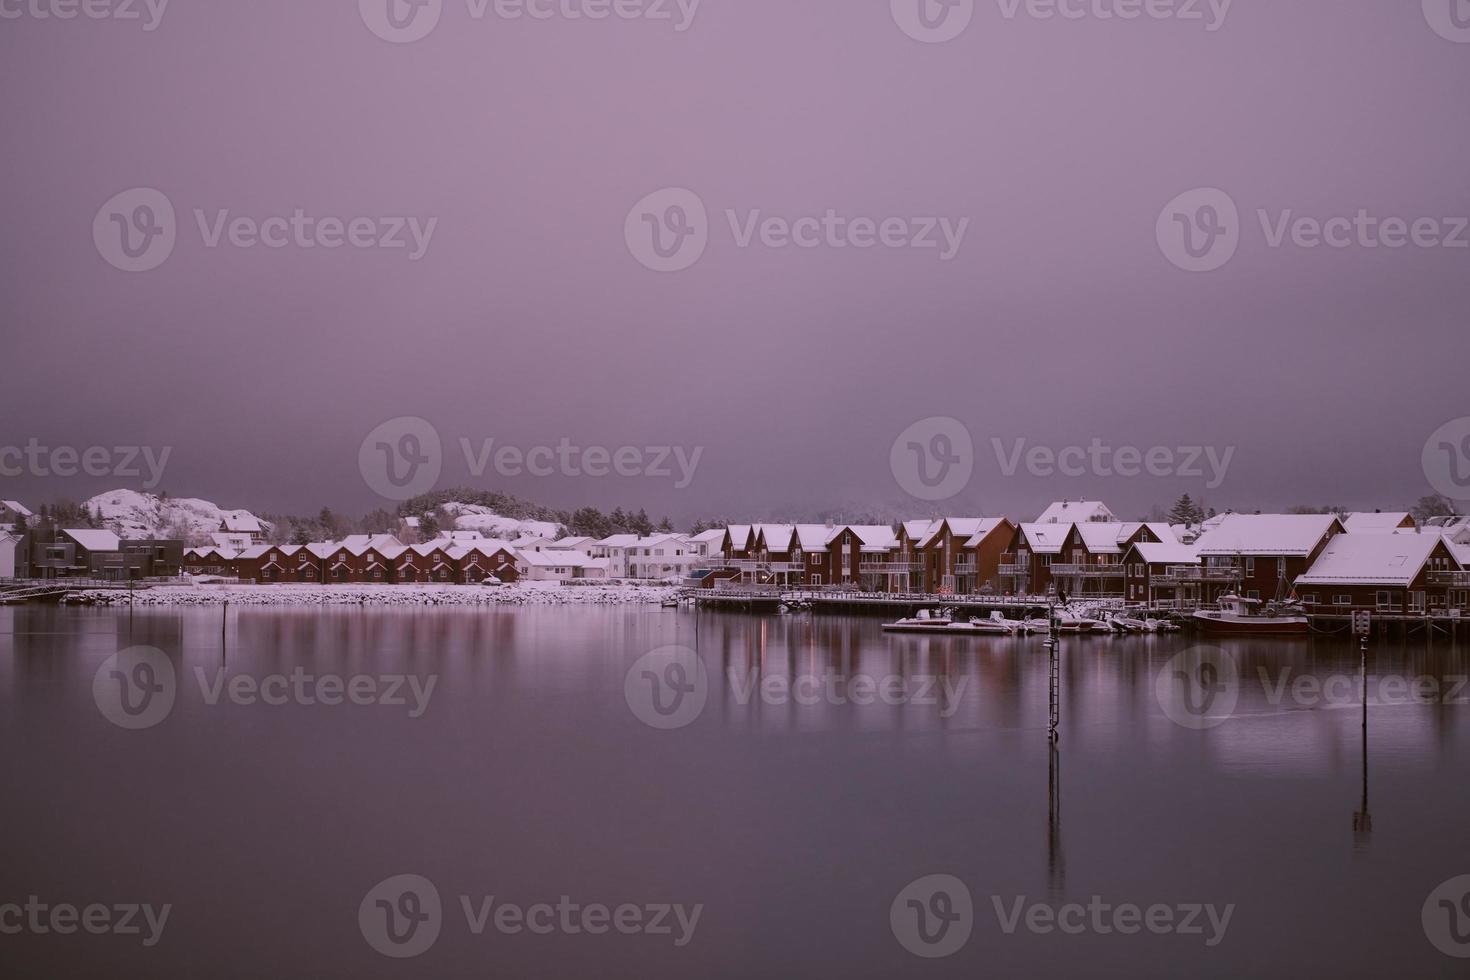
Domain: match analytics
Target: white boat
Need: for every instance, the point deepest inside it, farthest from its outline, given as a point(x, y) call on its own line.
point(1163, 626)
point(945, 625)
point(1018, 626)
point(1131, 624)
point(1238, 616)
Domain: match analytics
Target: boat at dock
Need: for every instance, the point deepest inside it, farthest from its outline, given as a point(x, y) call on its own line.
point(1238, 616)
point(942, 623)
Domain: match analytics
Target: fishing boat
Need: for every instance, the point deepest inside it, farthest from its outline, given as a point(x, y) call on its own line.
point(1238, 616)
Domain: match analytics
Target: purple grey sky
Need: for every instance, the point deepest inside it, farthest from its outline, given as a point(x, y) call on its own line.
point(528, 320)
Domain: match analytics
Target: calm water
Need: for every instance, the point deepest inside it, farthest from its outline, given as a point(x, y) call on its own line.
point(529, 776)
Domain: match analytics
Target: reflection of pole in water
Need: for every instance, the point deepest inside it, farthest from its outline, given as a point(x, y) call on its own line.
point(1362, 819)
point(1056, 862)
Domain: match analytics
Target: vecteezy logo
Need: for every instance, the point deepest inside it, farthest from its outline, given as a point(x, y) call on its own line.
point(135, 688)
point(1199, 688)
point(1199, 230)
point(1449, 18)
point(933, 459)
point(933, 917)
point(401, 458)
point(401, 21)
point(401, 916)
point(668, 230)
point(135, 230)
point(1446, 459)
point(933, 21)
point(1446, 917)
point(667, 688)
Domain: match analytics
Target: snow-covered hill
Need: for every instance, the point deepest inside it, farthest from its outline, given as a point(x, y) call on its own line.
point(131, 514)
point(473, 517)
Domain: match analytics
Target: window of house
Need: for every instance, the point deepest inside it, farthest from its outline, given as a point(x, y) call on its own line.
point(1250, 566)
point(1342, 600)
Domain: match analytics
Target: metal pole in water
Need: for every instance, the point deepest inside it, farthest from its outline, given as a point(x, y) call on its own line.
point(1053, 647)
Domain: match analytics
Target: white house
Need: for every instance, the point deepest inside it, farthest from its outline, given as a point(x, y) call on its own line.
point(12, 511)
point(659, 556)
point(1077, 512)
point(559, 566)
point(8, 545)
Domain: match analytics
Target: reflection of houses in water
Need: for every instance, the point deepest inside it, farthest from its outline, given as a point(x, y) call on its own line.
point(1056, 861)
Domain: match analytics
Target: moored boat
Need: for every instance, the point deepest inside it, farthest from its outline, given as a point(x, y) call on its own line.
point(1238, 616)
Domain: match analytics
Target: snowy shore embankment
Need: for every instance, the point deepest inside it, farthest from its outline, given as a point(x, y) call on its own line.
point(536, 593)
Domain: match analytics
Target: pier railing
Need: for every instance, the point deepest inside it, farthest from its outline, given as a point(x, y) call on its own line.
point(1201, 573)
point(1087, 571)
point(1453, 579)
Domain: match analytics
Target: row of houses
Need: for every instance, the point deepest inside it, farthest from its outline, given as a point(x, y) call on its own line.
point(1078, 549)
point(464, 557)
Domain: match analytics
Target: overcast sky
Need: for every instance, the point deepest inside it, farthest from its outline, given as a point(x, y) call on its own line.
point(527, 312)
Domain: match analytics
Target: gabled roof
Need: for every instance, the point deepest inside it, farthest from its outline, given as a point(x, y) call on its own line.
point(1287, 535)
point(777, 537)
point(960, 527)
point(812, 537)
point(1046, 539)
point(241, 522)
point(1364, 522)
point(93, 540)
point(871, 537)
point(1102, 538)
point(986, 528)
point(1076, 512)
point(16, 506)
point(1166, 553)
point(566, 558)
point(1162, 531)
point(713, 536)
point(322, 549)
point(920, 530)
point(618, 541)
point(571, 541)
point(1371, 559)
point(359, 543)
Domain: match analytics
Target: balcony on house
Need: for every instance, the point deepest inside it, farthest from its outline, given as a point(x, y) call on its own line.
point(1201, 573)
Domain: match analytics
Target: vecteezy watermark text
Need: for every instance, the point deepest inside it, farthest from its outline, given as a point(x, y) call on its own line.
point(137, 688)
point(137, 230)
point(404, 457)
point(35, 459)
point(147, 12)
point(403, 916)
point(669, 230)
point(40, 918)
point(1201, 230)
point(937, 21)
point(406, 21)
point(934, 917)
point(832, 688)
point(934, 459)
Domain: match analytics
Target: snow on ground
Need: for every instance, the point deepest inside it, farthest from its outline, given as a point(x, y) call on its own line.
point(534, 593)
point(134, 515)
point(473, 517)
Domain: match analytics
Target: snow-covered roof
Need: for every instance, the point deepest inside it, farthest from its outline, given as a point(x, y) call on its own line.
point(1162, 531)
point(1167, 553)
point(618, 541)
point(713, 536)
point(574, 541)
point(240, 522)
point(570, 558)
point(17, 507)
point(1381, 521)
point(1046, 539)
point(1371, 559)
point(92, 539)
point(1102, 538)
point(871, 537)
point(1076, 512)
point(322, 549)
point(985, 528)
point(812, 537)
point(920, 530)
point(1288, 535)
point(777, 536)
point(960, 527)
point(358, 543)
